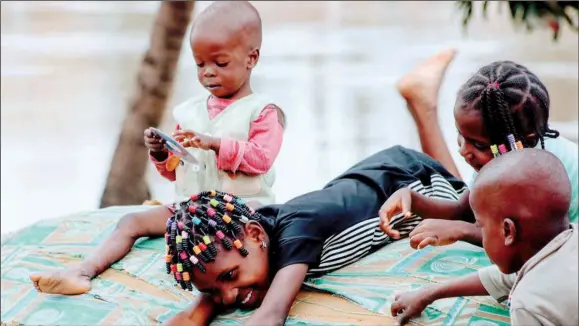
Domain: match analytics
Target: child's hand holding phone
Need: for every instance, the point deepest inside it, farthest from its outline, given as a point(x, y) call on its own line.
point(155, 144)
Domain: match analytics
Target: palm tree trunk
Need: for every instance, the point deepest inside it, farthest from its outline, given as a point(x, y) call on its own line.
point(126, 184)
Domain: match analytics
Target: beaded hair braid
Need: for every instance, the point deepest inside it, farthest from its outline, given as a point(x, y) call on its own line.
point(197, 225)
point(513, 102)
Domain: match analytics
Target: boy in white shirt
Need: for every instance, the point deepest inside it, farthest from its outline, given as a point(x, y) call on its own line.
point(520, 201)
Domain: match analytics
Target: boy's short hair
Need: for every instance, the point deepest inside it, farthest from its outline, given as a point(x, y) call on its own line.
point(534, 177)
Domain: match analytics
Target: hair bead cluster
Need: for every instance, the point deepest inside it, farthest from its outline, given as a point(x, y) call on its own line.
point(197, 226)
point(513, 102)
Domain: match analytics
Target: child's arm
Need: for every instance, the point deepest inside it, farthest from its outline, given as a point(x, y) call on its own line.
point(444, 219)
point(160, 163)
point(408, 202)
point(411, 304)
point(434, 208)
point(280, 296)
point(200, 312)
point(150, 223)
point(257, 154)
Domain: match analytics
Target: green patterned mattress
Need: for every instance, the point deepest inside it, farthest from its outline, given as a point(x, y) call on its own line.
point(136, 290)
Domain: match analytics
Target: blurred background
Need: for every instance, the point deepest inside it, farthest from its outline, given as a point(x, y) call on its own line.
point(69, 70)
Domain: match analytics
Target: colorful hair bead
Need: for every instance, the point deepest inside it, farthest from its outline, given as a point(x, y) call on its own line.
point(196, 221)
point(251, 211)
point(183, 255)
point(219, 235)
point(206, 240)
point(196, 250)
point(212, 223)
point(212, 193)
point(511, 140)
point(186, 276)
point(178, 276)
point(210, 211)
point(237, 244)
point(213, 202)
point(229, 207)
point(194, 260)
point(495, 150)
point(184, 234)
point(202, 246)
point(179, 268)
point(173, 268)
point(173, 230)
point(167, 238)
point(240, 201)
point(178, 239)
point(168, 258)
point(244, 219)
point(226, 218)
point(502, 148)
point(194, 197)
point(180, 225)
point(227, 198)
point(519, 145)
point(192, 209)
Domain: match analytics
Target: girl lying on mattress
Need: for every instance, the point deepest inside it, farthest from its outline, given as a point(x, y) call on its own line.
point(238, 257)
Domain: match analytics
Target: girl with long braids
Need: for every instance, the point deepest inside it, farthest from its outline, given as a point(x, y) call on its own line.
point(503, 107)
point(239, 257)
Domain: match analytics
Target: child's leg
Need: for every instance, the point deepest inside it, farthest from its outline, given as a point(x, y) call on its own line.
point(420, 90)
point(76, 280)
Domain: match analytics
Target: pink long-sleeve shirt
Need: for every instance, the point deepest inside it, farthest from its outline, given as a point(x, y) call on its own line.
point(254, 156)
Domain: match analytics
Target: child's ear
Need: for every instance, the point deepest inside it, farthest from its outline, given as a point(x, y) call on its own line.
point(252, 58)
point(510, 232)
point(254, 231)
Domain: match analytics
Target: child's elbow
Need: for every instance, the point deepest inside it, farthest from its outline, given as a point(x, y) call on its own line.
point(128, 225)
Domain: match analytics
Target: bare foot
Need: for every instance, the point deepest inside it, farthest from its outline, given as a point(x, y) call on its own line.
point(420, 87)
point(69, 281)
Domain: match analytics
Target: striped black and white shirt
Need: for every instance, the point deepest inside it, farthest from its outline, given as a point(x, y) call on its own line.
point(338, 225)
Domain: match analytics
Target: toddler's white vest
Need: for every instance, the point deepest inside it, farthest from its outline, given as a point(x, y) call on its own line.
point(233, 122)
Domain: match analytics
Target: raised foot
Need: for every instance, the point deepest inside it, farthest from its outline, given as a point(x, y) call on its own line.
point(70, 281)
point(420, 87)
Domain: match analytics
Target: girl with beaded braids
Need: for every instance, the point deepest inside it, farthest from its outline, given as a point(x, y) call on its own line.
point(502, 108)
point(239, 257)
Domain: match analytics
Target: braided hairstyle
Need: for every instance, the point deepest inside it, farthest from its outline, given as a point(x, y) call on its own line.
point(197, 225)
point(513, 102)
